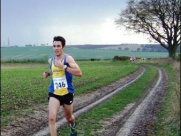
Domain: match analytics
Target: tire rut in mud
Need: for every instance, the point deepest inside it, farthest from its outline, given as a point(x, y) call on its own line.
point(144, 124)
point(123, 123)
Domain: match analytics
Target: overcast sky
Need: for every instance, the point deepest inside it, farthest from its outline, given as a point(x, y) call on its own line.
point(78, 21)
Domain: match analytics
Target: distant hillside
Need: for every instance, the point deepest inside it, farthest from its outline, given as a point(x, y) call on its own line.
point(91, 46)
point(107, 46)
point(125, 47)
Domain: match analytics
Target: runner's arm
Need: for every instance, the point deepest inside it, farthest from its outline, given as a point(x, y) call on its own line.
point(73, 68)
point(46, 74)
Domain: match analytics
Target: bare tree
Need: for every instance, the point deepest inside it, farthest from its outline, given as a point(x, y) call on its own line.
point(159, 19)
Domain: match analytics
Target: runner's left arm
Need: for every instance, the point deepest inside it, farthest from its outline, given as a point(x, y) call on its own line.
point(73, 68)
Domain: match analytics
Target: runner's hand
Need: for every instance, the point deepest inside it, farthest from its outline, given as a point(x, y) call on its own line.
point(59, 64)
point(45, 74)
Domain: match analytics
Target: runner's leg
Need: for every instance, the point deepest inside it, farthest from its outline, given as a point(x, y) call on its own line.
point(53, 107)
point(68, 113)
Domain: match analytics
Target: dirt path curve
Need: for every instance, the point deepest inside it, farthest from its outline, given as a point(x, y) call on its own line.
point(137, 119)
point(37, 121)
point(130, 128)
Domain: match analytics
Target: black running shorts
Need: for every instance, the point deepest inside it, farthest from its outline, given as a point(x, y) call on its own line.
point(65, 99)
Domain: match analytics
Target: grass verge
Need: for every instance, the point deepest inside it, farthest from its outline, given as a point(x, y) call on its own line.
point(168, 123)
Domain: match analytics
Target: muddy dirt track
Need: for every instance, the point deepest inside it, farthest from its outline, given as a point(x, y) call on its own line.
point(135, 120)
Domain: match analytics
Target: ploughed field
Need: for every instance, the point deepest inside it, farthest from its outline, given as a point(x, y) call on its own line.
point(45, 52)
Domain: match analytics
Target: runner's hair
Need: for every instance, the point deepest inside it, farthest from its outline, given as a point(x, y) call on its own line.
point(61, 39)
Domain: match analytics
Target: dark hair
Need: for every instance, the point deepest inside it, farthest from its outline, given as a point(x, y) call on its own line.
point(61, 39)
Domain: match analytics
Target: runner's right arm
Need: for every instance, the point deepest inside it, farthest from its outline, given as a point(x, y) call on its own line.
point(46, 74)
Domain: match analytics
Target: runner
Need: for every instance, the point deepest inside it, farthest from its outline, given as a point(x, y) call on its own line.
point(131, 59)
point(61, 90)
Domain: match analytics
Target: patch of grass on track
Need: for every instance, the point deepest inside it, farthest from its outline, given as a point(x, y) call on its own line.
point(91, 121)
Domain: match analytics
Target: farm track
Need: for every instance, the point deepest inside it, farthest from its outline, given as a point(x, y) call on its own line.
point(36, 123)
point(140, 122)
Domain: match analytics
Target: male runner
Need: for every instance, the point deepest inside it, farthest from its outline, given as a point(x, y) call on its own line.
point(61, 90)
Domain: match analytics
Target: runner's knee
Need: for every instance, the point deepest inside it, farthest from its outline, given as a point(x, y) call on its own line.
point(52, 118)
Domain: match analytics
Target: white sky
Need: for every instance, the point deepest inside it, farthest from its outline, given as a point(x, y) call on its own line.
point(78, 21)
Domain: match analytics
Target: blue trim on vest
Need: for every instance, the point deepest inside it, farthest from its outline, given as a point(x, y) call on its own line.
point(68, 75)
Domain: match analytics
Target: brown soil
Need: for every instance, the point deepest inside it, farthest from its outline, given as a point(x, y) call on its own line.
point(37, 119)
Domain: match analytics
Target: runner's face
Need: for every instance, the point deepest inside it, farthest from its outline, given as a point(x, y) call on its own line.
point(58, 48)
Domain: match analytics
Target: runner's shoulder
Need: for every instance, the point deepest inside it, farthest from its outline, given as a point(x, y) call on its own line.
point(50, 59)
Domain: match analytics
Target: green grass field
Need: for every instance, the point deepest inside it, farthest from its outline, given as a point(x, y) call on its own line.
point(22, 86)
point(45, 52)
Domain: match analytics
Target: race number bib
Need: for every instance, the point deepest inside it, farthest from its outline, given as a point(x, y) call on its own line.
point(60, 83)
